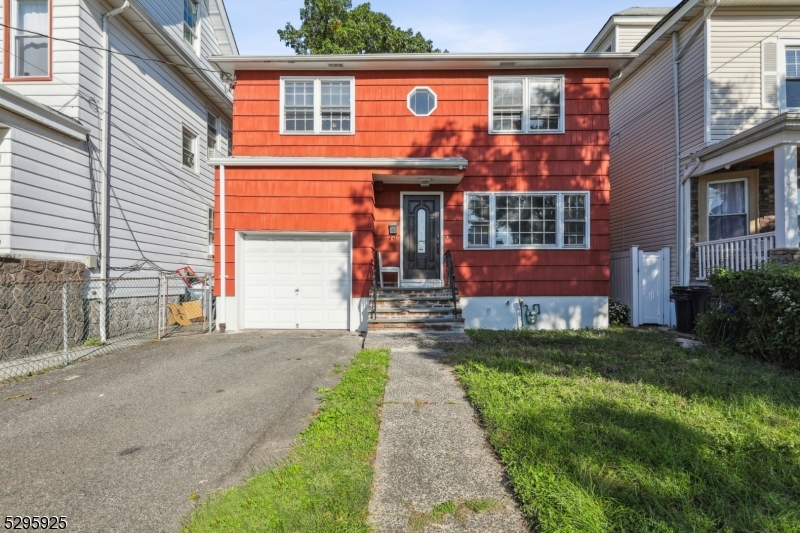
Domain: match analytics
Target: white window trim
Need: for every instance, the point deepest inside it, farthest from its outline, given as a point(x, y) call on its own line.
point(318, 104)
point(746, 203)
point(559, 221)
point(190, 131)
point(526, 108)
point(420, 88)
point(783, 43)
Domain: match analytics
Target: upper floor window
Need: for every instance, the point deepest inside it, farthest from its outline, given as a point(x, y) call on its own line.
point(29, 49)
point(189, 146)
point(191, 9)
point(532, 104)
point(211, 135)
point(422, 101)
point(317, 105)
point(230, 141)
point(526, 220)
point(792, 77)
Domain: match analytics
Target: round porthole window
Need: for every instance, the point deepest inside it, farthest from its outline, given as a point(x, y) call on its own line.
point(422, 101)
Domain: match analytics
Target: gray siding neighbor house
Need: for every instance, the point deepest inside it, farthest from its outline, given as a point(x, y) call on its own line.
point(108, 114)
point(704, 136)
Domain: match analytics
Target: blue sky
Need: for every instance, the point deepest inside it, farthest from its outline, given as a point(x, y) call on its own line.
point(459, 26)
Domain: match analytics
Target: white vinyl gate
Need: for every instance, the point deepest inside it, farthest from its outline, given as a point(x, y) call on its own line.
point(641, 281)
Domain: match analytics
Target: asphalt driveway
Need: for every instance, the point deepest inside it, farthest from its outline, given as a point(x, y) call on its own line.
point(128, 441)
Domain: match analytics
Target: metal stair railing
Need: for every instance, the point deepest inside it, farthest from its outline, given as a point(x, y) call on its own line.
point(451, 280)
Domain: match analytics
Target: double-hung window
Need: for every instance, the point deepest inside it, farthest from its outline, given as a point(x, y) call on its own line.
point(793, 77)
point(533, 104)
point(191, 13)
point(503, 220)
point(210, 231)
point(189, 147)
point(211, 136)
point(727, 209)
point(317, 105)
point(29, 49)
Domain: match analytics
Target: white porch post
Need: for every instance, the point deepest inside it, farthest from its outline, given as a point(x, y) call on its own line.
point(787, 234)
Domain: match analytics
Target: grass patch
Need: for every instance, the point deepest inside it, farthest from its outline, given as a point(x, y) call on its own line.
point(624, 431)
point(324, 485)
point(460, 512)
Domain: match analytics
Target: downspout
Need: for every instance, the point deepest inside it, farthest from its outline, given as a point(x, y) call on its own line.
point(105, 142)
point(223, 277)
point(682, 194)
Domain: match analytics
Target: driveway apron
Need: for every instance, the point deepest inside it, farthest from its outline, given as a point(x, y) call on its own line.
point(131, 442)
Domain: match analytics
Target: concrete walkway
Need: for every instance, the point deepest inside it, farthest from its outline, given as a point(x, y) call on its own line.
point(431, 449)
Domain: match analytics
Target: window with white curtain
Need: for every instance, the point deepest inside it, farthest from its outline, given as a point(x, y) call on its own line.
point(526, 220)
point(30, 38)
point(727, 209)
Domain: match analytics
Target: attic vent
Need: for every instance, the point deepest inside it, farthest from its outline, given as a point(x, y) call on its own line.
point(334, 65)
point(508, 63)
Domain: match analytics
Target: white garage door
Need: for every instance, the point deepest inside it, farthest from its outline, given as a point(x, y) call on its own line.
point(296, 282)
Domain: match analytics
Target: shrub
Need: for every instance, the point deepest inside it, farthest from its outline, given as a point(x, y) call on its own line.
point(756, 313)
point(619, 314)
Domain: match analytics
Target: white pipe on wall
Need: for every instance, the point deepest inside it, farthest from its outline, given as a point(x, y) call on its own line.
point(223, 277)
point(105, 143)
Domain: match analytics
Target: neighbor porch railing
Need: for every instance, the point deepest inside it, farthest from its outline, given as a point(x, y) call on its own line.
point(740, 253)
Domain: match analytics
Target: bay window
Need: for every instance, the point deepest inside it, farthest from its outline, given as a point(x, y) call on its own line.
point(532, 104)
point(526, 220)
point(317, 105)
point(29, 34)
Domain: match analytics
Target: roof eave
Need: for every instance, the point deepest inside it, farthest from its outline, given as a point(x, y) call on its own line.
point(443, 163)
point(610, 61)
point(31, 110)
point(781, 123)
point(166, 43)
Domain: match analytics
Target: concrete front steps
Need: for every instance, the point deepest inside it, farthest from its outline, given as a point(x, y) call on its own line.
point(416, 308)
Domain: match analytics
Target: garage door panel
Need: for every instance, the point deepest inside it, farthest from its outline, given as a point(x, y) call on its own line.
point(292, 282)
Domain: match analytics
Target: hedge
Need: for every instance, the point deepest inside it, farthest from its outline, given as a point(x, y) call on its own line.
point(756, 313)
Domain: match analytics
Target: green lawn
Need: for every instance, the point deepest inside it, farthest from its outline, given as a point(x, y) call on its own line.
point(324, 485)
point(622, 430)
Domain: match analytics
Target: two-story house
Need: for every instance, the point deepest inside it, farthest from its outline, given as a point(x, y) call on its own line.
point(487, 173)
point(109, 113)
point(704, 139)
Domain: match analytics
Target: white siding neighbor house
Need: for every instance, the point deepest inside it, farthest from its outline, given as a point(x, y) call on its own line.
point(108, 115)
point(704, 138)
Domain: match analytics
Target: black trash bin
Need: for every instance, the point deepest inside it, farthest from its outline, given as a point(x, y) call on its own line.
point(684, 308)
point(701, 299)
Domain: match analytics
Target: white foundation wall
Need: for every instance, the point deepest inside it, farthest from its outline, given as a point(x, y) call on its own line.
point(359, 313)
point(557, 312)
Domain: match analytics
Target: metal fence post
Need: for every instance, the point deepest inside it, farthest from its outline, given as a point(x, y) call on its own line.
point(65, 322)
point(159, 312)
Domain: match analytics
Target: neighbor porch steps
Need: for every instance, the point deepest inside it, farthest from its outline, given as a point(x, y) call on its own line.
point(425, 308)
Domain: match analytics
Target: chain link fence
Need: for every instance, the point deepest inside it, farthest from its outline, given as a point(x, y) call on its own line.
point(45, 325)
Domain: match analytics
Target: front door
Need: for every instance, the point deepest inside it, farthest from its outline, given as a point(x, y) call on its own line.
point(421, 246)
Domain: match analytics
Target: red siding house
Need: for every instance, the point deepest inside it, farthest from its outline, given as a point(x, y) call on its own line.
point(487, 173)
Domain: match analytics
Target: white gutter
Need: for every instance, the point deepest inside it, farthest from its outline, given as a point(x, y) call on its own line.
point(441, 163)
point(223, 277)
point(105, 143)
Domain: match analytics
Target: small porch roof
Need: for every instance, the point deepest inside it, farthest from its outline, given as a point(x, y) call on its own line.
point(408, 163)
point(783, 129)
